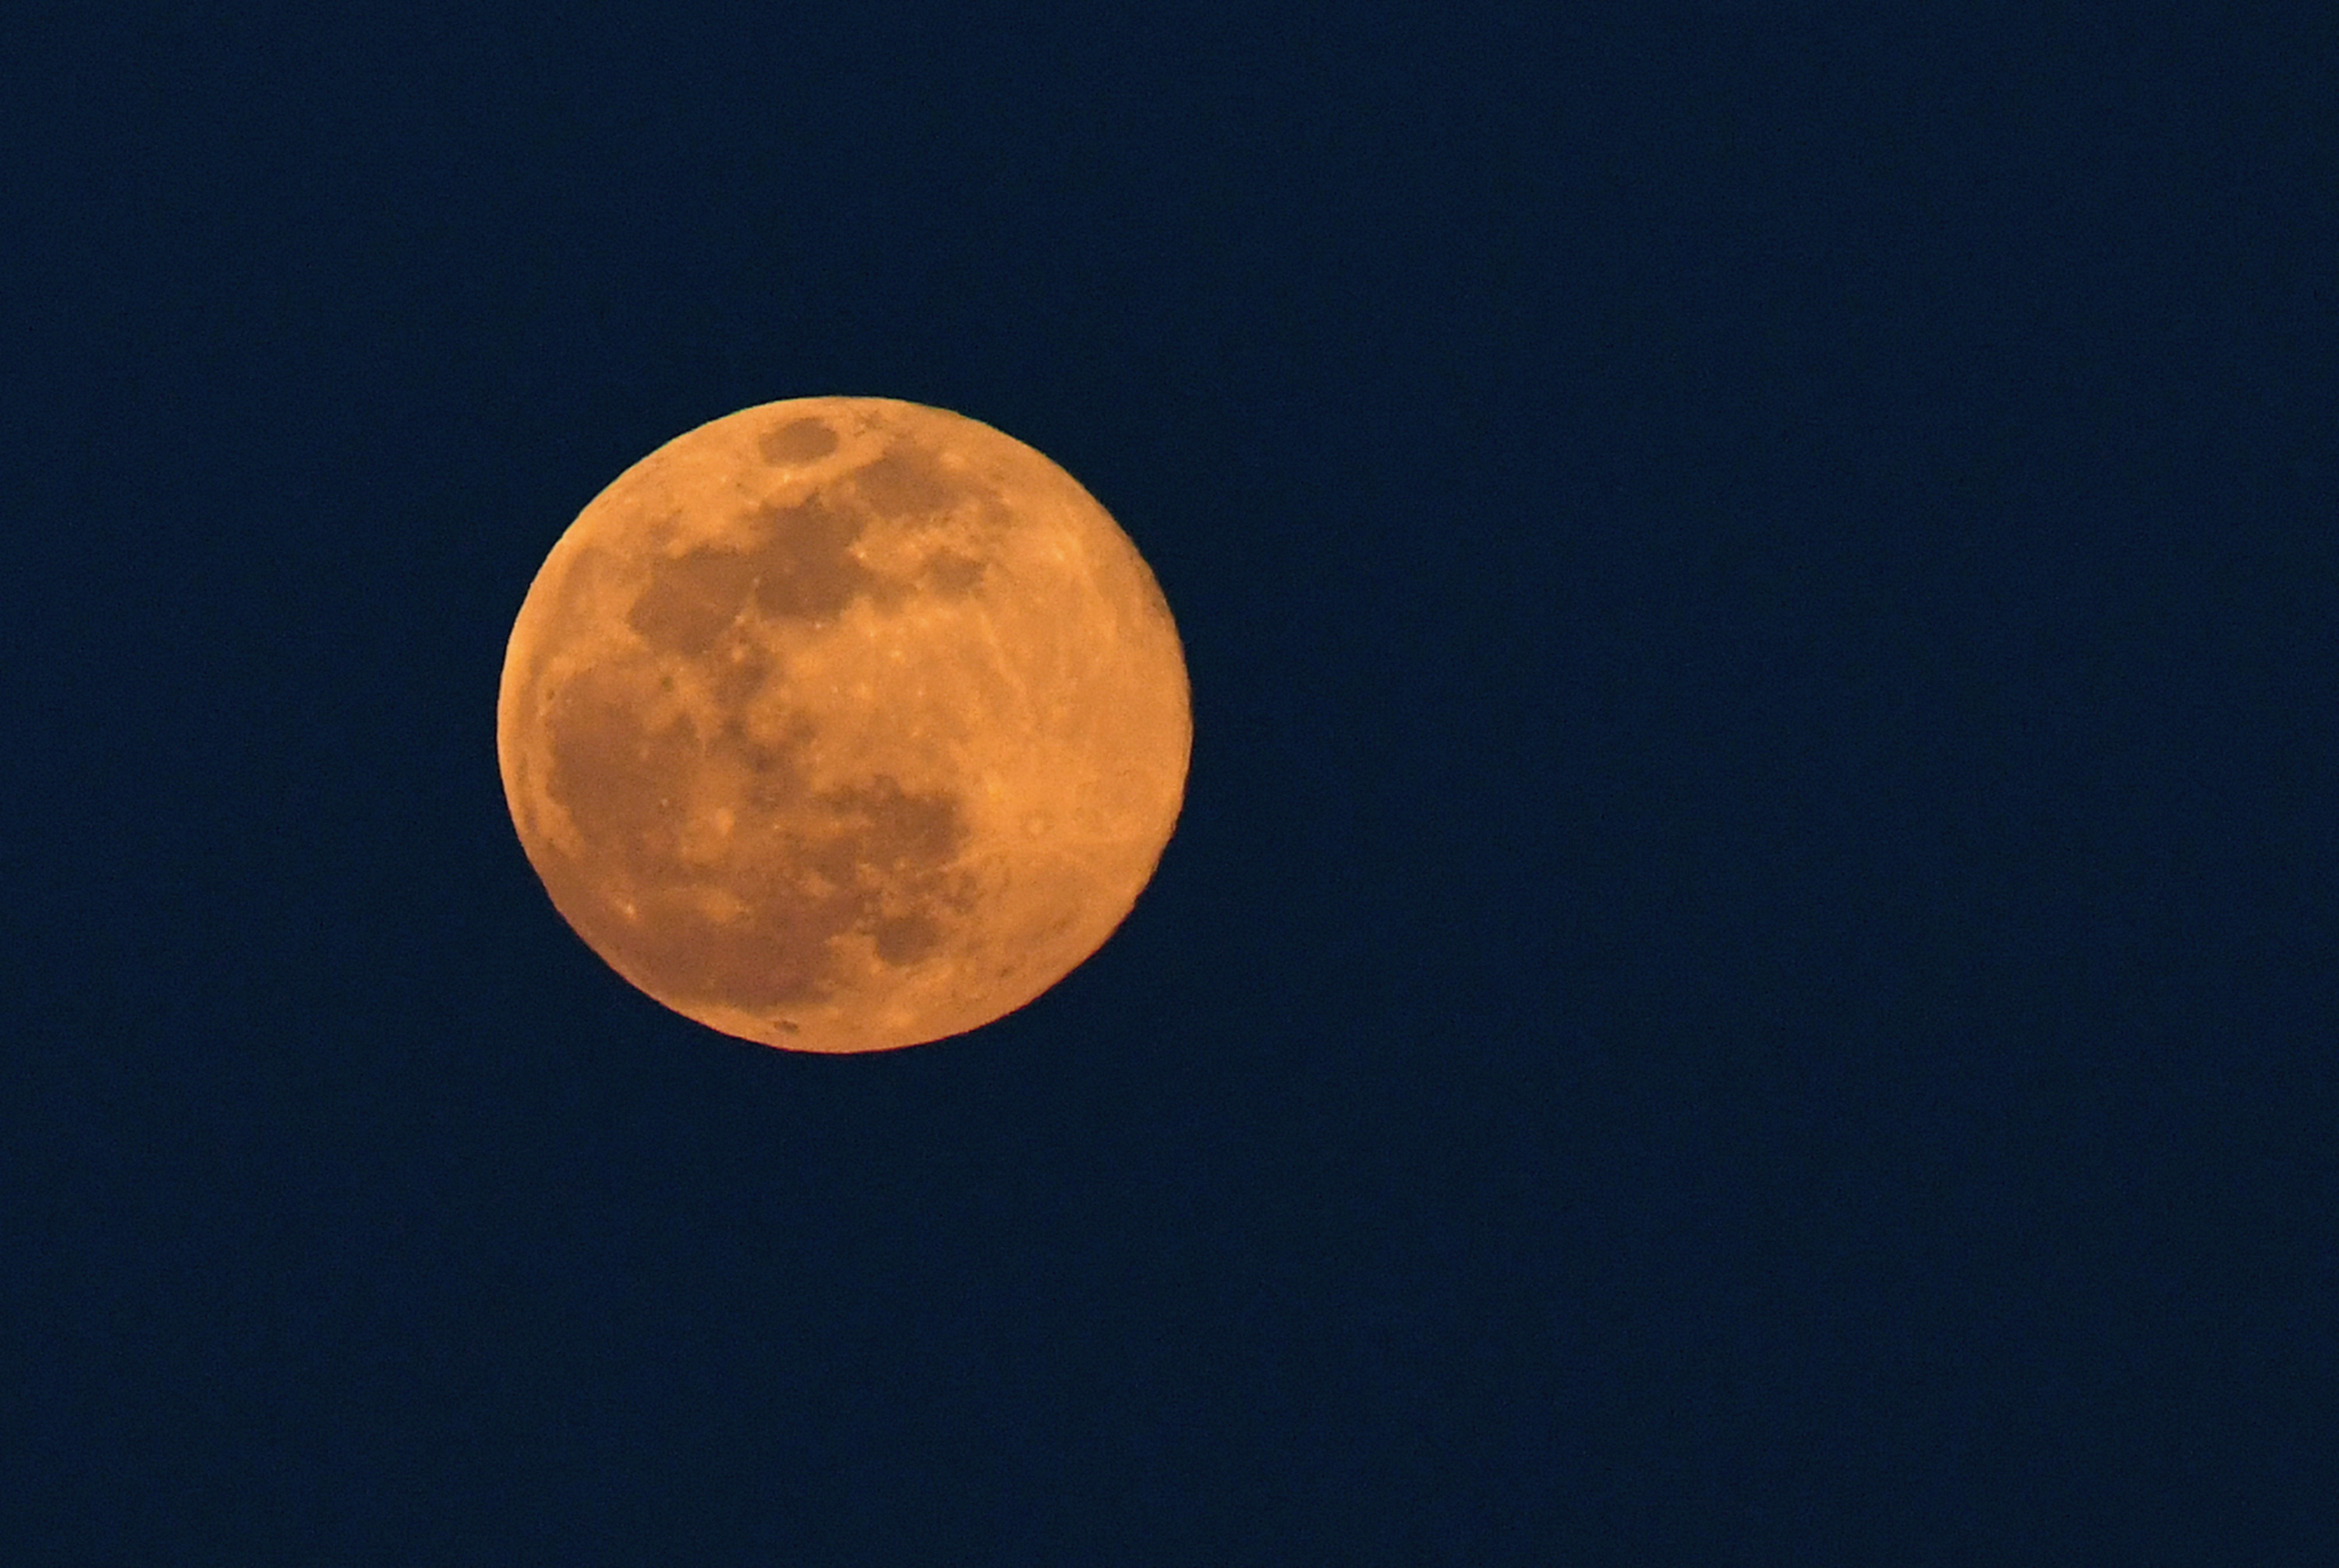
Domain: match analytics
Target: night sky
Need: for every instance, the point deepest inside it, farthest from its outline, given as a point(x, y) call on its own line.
point(1749, 973)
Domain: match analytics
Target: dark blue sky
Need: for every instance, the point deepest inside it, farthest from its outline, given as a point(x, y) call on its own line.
point(1749, 971)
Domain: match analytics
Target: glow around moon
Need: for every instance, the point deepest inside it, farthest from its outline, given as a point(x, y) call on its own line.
point(843, 723)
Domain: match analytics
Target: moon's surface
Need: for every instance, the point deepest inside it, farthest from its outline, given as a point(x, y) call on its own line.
point(843, 723)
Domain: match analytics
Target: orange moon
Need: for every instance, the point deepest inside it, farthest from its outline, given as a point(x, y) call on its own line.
point(844, 725)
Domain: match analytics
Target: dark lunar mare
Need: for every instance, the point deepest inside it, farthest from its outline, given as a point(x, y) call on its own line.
point(872, 859)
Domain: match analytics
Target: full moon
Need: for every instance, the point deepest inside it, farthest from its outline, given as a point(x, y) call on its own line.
point(844, 725)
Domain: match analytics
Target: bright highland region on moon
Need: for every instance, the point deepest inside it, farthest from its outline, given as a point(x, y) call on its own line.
point(843, 723)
